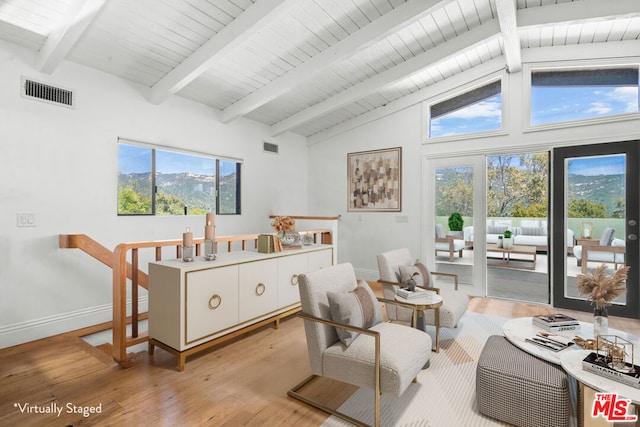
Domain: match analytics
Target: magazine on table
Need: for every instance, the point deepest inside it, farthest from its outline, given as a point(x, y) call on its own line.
point(551, 341)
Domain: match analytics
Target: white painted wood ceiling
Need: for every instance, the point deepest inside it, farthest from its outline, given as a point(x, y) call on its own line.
point(307, 66)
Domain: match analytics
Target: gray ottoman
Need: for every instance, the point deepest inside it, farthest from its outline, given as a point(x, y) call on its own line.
point(520, 389)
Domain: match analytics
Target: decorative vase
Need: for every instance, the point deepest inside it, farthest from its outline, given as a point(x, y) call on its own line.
point(290, 238)
point(600, 321)
point(499, 243)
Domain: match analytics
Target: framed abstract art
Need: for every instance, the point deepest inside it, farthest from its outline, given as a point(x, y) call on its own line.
point(374, 180)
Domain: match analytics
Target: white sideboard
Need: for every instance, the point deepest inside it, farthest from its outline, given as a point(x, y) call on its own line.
point(194, 305)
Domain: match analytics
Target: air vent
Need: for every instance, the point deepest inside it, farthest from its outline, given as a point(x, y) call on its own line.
point(270, 148)
point(47, 93)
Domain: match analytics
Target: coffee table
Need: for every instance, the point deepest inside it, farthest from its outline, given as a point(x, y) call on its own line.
point(517, 330)
point(507, 261)
point(428, 302)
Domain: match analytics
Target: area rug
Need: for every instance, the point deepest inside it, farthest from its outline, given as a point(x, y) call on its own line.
point(444, 394)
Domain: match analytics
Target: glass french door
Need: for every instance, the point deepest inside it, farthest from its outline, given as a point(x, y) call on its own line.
point(517, 248)
point(454, 188)
point(595, 221)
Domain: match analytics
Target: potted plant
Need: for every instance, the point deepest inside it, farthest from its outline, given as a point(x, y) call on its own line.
point(456, 223)
point(507, 241)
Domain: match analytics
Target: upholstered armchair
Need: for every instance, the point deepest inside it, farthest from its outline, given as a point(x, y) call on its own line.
point(608, 249)
point(348, 341)
point(392, 265)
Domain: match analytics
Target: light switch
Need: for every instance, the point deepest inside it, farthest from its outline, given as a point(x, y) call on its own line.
point(26, 219)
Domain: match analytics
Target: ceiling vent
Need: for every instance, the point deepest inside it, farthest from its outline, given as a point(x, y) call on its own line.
point(270, 148)
point(47, 93)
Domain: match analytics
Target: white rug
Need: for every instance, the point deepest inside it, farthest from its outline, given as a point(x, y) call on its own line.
point(445, 393)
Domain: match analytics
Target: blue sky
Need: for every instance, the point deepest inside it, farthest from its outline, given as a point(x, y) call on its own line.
point(132, 159)
point(597, 165)
point(559, 104)
point(548, 105)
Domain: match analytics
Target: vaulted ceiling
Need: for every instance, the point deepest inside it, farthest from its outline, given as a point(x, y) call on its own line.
point(307, 66)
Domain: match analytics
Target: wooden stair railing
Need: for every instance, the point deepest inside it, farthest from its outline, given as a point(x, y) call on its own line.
point(123, 270)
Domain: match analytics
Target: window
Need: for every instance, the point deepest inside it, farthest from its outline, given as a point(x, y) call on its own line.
point(152, 181)
point(479, 110)
point(568, 95)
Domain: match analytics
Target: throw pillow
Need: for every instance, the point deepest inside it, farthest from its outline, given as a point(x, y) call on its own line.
point(358, 308)
point(423, 278)
point(426, 274)
point(607, 236)
point(440, 234)
point(533, 231)
point(529, 223)
point(496, 229)
point(411, 271)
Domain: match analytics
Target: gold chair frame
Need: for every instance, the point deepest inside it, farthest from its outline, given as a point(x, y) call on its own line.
point(376, 335)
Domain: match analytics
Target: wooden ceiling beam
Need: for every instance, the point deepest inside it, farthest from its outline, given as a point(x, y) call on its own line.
point(401, 71)
point(583, 10)
point(77, 19)
point(237, 31)
point(511, 39)
point(391, 22)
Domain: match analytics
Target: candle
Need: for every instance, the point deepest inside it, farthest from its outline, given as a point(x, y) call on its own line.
point(208, 232)
point(211, 219)
point(187, 238)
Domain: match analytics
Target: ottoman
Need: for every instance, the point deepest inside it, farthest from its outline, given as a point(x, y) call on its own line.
point(515, 387)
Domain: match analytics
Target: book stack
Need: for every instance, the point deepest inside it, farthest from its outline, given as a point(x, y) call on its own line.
point(268, 243)
point(628, 374)
point(556, 322)
point(418, 293)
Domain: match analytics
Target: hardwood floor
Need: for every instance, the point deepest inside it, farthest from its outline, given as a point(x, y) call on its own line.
point(243, 382)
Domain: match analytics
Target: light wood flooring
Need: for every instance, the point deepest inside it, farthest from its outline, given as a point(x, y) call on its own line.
point(241, 383)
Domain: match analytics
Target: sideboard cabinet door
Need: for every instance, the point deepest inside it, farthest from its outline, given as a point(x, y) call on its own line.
point(320, 259)
point(211, 302)
point(289, 268)
point(258, 288)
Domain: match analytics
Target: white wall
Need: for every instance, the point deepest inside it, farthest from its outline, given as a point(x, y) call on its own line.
point(364, 235)
point(61, 164)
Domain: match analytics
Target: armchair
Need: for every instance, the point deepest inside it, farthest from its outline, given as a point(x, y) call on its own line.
point(385, 357)
point(607, 249)
point(454, 303)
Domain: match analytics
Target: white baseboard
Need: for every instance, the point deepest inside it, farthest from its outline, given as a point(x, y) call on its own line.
point(19, 333)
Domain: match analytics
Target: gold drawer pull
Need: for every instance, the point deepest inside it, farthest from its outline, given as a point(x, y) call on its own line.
point(294, 280)
point(214, 298)
point(260, 289)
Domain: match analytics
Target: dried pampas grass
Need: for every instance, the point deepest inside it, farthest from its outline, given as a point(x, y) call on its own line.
point(602, 288)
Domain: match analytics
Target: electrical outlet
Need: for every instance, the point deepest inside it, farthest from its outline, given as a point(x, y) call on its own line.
point(26, 219)
point(402, 218)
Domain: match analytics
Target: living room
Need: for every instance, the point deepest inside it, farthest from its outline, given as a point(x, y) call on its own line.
point(61, 165)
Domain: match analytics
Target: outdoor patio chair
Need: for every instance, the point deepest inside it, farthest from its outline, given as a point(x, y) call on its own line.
point(607, 250)
point(346, 344)
point(395, 264)
point(448, 243)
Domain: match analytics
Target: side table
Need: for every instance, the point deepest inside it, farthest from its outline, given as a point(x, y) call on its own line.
point(589, 382)
point(428, 302)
